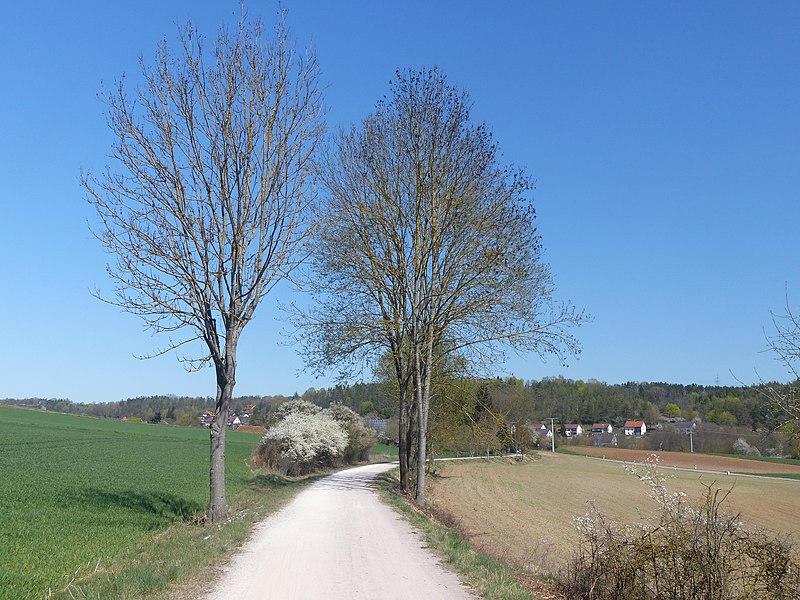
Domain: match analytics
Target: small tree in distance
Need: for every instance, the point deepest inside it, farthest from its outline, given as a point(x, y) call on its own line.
point(206, 205)
point(784, 400)
point(428, 249)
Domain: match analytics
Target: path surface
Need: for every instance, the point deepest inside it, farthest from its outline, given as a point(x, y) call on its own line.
point(336, 540)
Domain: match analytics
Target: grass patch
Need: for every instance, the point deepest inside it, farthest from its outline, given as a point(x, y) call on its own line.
point(778, 475)
point(383, 453)
point(769, 459)
point(485, 574)
point(98, 504)
point(175, 563)
point(568, 451)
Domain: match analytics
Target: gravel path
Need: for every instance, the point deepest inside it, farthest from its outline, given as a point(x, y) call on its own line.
point(336, 540)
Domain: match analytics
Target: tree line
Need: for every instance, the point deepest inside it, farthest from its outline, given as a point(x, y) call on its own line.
point(565, 400)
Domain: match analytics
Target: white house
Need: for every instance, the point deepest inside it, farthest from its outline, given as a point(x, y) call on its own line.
point(573, 430)
point(636, 428)
point(602, 428)
point(540, 429)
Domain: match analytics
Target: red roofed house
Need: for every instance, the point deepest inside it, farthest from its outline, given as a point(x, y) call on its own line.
point(572, 430)
point(636, 428)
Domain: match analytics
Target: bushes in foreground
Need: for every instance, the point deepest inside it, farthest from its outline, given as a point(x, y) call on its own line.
point(690, 552)
point(307, 438)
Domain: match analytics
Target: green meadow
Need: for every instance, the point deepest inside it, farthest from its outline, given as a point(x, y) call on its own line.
point(78, 493)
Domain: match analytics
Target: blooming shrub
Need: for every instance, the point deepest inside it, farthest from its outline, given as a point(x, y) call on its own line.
point(297, 407)
point(302, 443)
point(360, 438)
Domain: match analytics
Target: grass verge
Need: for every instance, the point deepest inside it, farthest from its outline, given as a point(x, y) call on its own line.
point(768, 459)
point(486, 575)
point(182, 561)
point(776, 475)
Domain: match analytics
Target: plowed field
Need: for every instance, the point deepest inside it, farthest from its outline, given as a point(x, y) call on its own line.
point(691, 461)
point(523, 513)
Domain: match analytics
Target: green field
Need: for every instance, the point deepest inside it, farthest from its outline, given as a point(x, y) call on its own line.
point(79, 493)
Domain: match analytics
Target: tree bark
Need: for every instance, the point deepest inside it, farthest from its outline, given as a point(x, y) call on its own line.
point(218, 505)
point(424, 366)
point(403, 441)
point(226, 381)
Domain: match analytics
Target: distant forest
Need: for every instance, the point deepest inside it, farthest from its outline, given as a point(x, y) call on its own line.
point(565, 400)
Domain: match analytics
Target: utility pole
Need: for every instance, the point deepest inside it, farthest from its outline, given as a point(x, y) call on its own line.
point(552, 435)
point(691, 441)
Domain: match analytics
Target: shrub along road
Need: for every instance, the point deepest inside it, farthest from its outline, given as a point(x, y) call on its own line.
point(336, 540)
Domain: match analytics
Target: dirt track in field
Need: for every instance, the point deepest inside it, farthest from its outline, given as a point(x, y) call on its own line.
point(691, 461)
point(523, 513)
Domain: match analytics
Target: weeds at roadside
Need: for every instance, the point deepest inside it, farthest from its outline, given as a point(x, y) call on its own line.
point(689, 551)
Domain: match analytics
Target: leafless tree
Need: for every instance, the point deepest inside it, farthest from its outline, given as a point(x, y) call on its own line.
point(429, 248)
point(785, 344)
point(205, 204)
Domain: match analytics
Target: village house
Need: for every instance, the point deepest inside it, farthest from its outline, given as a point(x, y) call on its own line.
point(685, 427)
point(244, 417)
point(379, 425)
point(573, 430)
point(604, 439)
point(635, 428)
point(540, 429)
point(602, 428)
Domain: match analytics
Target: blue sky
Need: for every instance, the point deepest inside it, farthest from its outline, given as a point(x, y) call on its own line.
point(664, 139)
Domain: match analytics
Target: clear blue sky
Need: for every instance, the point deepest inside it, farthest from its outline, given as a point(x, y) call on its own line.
point(664, 138)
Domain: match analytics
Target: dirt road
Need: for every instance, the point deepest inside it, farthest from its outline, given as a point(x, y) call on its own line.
point(336, 540)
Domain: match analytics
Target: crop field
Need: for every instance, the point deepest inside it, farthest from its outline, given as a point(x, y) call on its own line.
point(78, 492)
point(757, 465)
point(523, 513)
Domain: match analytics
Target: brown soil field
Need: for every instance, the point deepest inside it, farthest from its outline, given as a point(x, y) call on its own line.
point(252, 428)
point(691, 461)
point(523, 513)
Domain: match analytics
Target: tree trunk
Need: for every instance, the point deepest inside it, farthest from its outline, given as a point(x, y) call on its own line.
point(403, 441)
point(226, 380)
point(423, 383)
point(218, 506)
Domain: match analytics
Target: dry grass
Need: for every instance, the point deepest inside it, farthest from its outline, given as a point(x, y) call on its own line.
point(522, 513)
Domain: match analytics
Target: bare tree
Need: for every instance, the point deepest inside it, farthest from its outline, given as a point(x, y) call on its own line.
point(205, 206)
point(785, 344)
point(429, 249)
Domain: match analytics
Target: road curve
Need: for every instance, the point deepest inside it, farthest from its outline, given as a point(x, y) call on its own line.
point(337, 541)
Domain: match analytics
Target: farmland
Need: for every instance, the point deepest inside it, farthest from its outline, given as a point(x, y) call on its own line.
point(78, 493)
point(522, 513)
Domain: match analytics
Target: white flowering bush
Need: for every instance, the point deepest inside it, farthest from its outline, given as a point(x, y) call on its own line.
point(692, 551)
point(360, 438)
point(302, 442)
point(306, 438)
point(297, 407)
